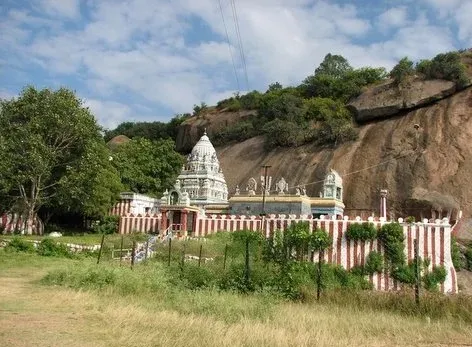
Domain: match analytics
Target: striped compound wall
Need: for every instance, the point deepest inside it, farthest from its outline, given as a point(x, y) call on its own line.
point(434, 239)
point(149, 223)
point(10, 223)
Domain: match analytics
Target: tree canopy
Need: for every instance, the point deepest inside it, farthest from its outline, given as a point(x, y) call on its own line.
point(147, 167)
point(53, 155)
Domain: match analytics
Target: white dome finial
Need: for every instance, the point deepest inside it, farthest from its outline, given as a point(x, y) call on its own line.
point(205, 132)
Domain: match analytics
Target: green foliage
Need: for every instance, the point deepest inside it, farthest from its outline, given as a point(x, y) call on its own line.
point(335, 79)
point(446, 66)
point(335, 66)
point(107, 225)
point(361, 232)
point(468, 258)
point(282, 133)
point(50, 248)
point(53, 155)
point(457, 259)
point(392, 237)
point(410, 219)
point(432, 279)
point(147, 167)
point(18, 244)
point(374, 263)
point(402, 71)
point(236, 132)
point(150, 130)
point(320, 240)
point(198, 109)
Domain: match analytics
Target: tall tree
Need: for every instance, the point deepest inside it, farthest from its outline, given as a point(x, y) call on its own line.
point(147, 167)
point(53, 154)
point(333, 65)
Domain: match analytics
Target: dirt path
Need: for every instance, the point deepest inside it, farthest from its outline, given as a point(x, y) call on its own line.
point(32, 315)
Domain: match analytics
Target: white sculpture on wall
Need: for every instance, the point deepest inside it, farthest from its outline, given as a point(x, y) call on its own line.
point(251, 186)
point(281, 187)
point(266, 186)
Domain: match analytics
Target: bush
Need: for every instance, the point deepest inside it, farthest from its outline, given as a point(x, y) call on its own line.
point(374, 263)
point(392, 237)
point(17, 244)
point(446, 66)
point(402, 71)
point(468, 258)
point(50, 248)
point(432, 279)
point(108, 225)
point(361, 232)
point(457, 259)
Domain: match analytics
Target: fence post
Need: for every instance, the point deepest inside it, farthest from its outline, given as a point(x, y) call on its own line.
point(318, 277)
point(100, 250)
point(246, 272)
point(133, 254)
point(170, 249)
point(417, 273)
point(224, 260)
point(121, 249)
point(182, 261)
point(200, 255)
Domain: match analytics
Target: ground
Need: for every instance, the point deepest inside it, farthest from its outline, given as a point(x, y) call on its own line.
point(32, 314)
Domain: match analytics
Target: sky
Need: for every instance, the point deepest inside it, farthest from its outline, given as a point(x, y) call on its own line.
point(148, 60)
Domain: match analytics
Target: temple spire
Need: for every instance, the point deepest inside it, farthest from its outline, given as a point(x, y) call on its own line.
point(205, 132)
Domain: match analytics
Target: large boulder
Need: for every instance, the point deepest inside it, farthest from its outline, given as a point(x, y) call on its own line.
point(388, 99)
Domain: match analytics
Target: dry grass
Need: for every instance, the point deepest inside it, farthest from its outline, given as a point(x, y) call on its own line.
point(34, 315)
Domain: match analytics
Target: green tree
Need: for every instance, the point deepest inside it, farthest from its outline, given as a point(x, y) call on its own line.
point(274, 86)
point(147, 167)
point(335, 66)
point(53, 154)
point(402, 70)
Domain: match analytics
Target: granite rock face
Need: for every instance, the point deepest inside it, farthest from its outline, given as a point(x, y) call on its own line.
point(387, 99)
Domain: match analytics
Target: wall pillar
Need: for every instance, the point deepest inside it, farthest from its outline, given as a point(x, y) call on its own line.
point(183, 221)
point(383, 203)
point(163, 221)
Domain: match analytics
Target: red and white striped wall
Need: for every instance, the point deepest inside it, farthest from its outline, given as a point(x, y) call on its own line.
point(121, 208)
point(434, 241)
point(149, 223)
point(11, 223)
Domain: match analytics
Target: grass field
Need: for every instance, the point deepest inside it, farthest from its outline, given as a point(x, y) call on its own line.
point(34, 314)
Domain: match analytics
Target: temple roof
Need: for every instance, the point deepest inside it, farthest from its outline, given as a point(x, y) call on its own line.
point(204, 151)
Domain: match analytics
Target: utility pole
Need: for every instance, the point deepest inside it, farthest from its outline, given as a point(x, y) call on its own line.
point(265, 167)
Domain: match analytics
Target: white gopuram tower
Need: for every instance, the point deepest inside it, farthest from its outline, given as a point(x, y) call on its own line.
point(201, 177)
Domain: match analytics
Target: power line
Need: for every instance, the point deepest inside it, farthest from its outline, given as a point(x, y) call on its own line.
point(240, 42)
point(229, 46)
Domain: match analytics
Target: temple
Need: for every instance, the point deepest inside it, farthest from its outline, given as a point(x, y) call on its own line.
point(201, 189)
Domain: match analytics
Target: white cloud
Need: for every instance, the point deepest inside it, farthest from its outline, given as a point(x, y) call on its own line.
point(109, 113)
point(151, 51)
point(393, 18)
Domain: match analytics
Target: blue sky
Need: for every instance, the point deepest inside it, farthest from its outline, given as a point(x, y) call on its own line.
point(148, 60)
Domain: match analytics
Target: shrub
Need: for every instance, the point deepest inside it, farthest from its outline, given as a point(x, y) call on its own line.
point(457, 259)
point(50, 248)
point(373, 263)
point(361, 232)
point(402, 70)
point(435, 277)
point(392, 237)
point(468, 258)
point(17, 244)
point(108, 225)
point(446, 66)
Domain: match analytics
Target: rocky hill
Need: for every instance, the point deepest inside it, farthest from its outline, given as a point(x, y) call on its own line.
point(419, 149)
